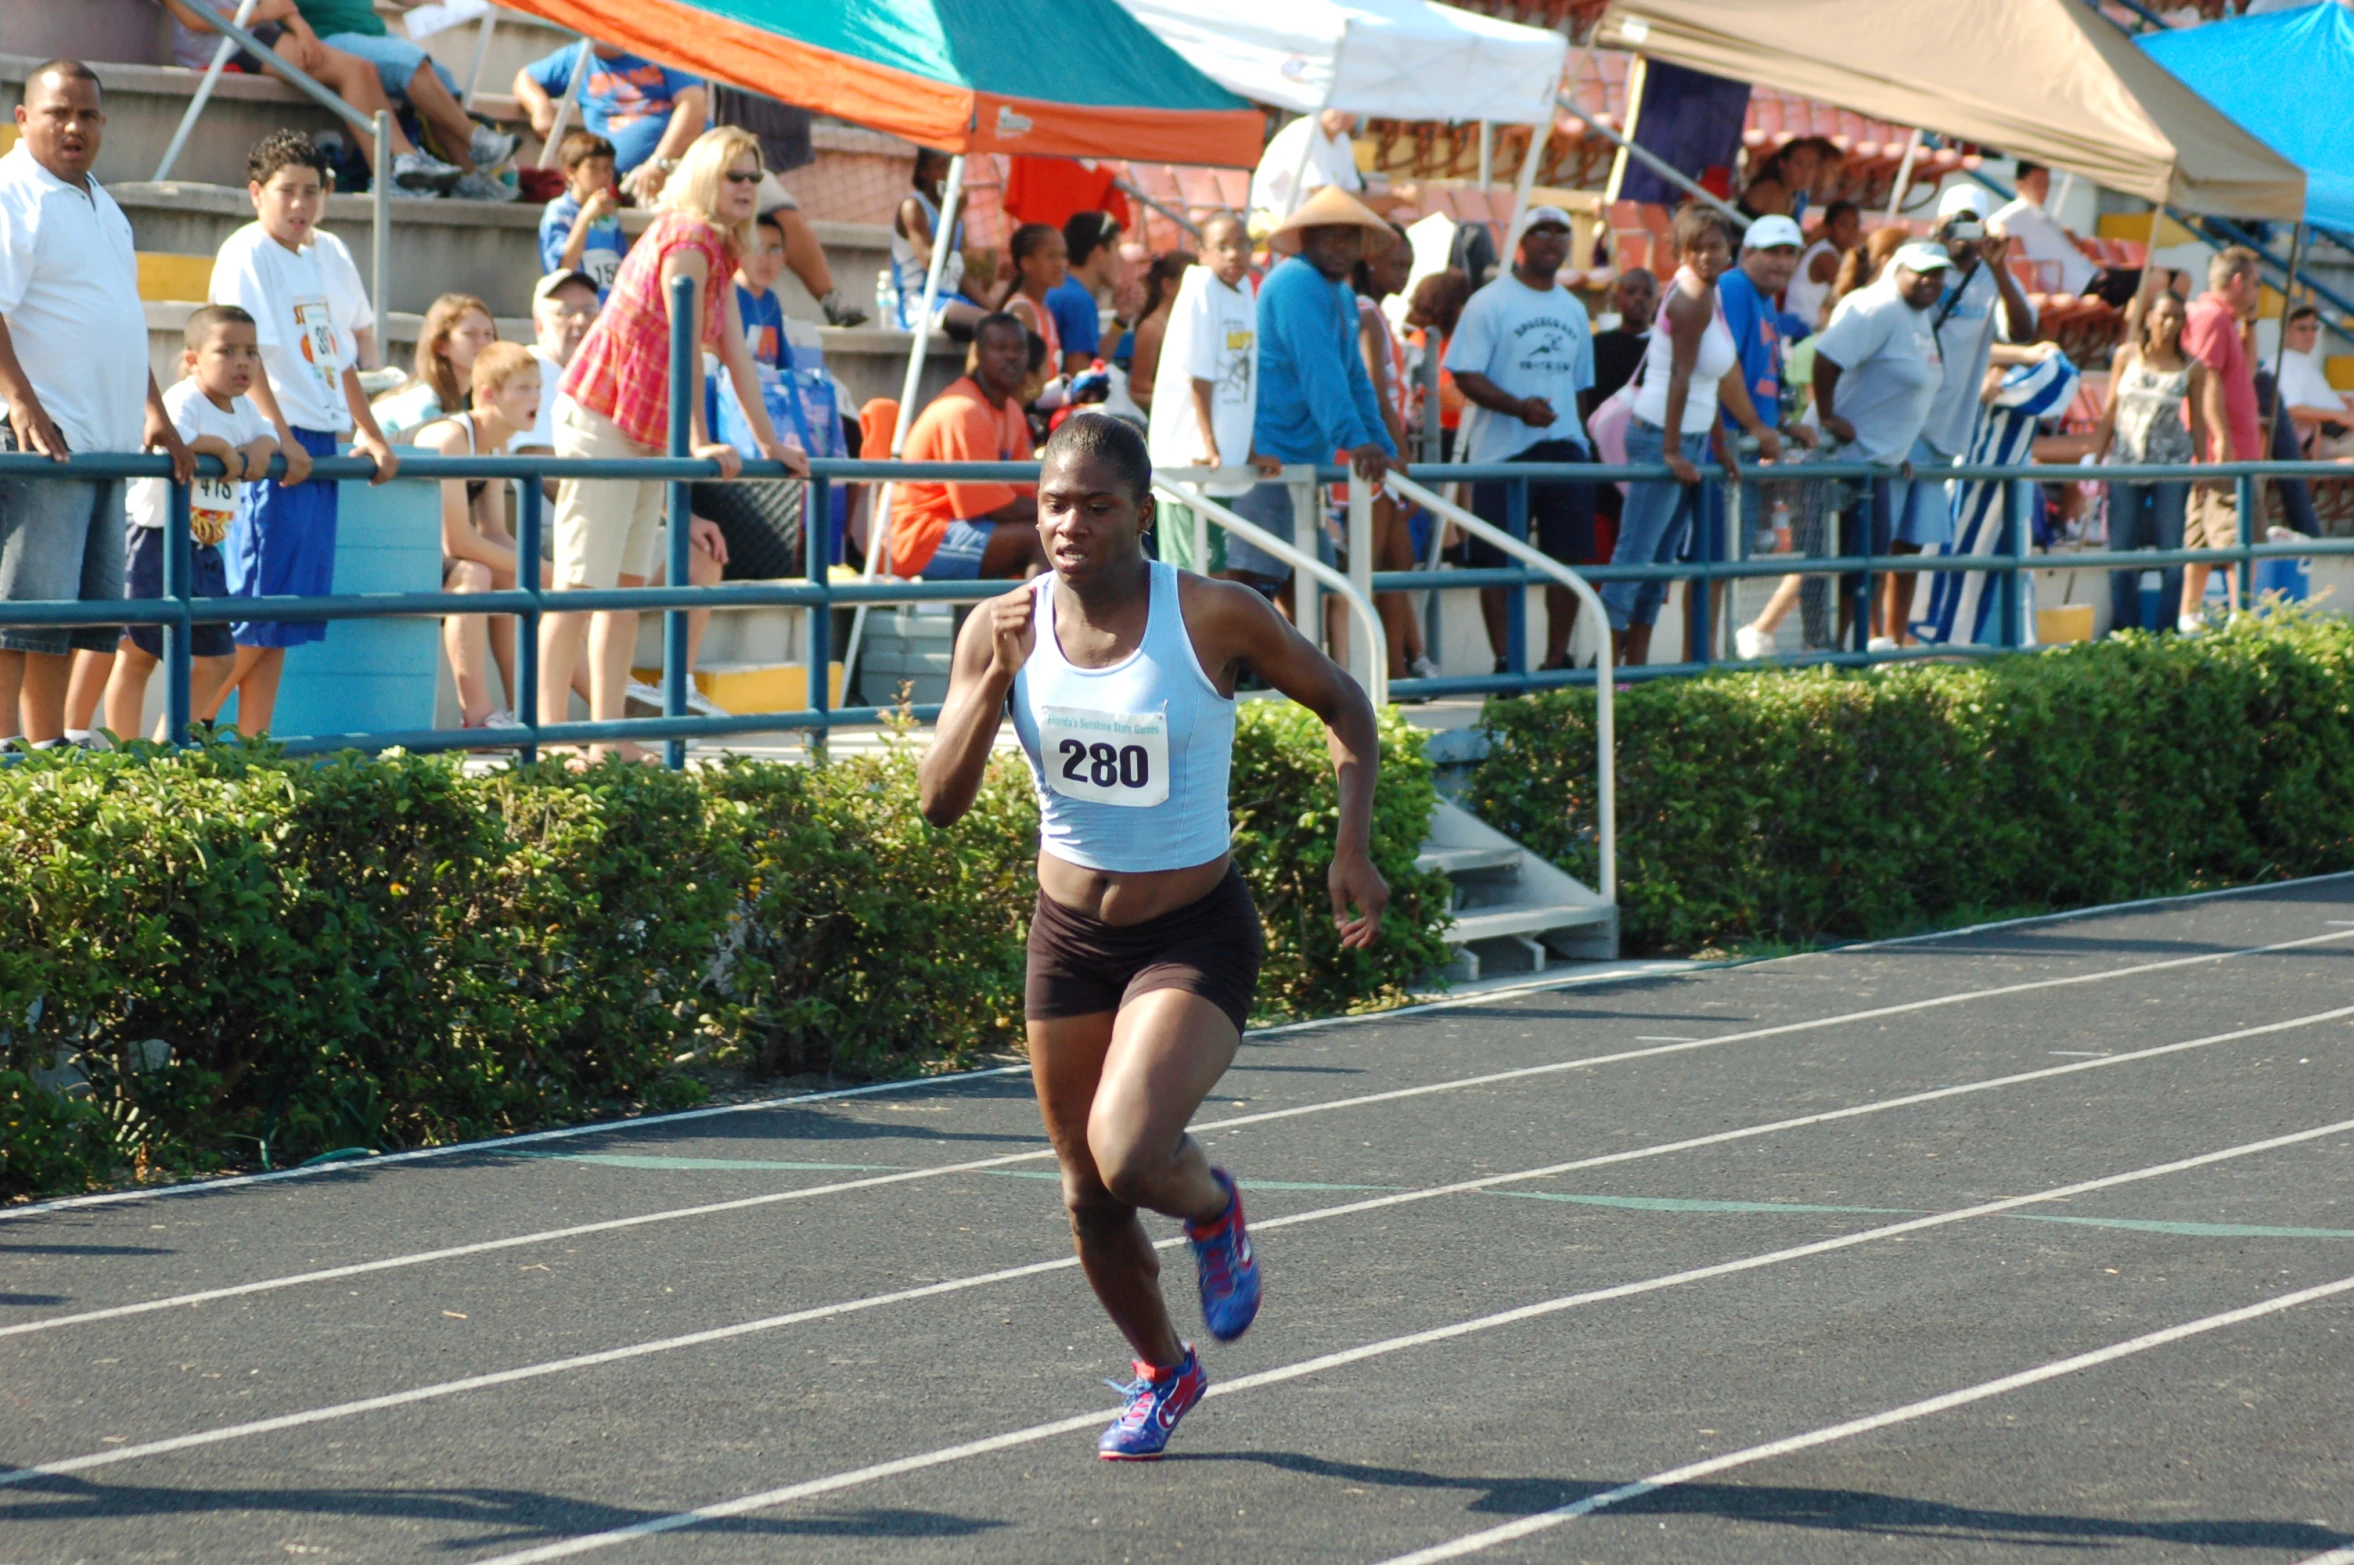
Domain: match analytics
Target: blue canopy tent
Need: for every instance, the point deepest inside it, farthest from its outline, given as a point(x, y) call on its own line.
point(2287, 77)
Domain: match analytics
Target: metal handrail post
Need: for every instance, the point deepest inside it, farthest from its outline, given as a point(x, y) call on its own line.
point(204, 91)
point(179, 561)
point(878, 522)
point(817, 541)
point(1187, 493)
point(1516, 603)
point(683, 347)
point(380, 195)
point(2242, 586)
point(2011, 603)
point(1605, 687)
point(1307, 499)
point(532, 499)
point(1361, 547)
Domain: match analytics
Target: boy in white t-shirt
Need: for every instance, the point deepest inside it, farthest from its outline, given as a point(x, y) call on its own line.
point(1211, 351)
point(283, 543)
point(210, 408)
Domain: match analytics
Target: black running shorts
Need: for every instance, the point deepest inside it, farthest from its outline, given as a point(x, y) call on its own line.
point(1212, 947)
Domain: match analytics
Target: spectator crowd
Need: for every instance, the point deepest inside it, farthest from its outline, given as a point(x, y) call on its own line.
point(1309, 328)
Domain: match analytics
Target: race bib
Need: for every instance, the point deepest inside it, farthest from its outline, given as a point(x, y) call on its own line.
point(320, 352)
point(1117, 758)
point(212, 505)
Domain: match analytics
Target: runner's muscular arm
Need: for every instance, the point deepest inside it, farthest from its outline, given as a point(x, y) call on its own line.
point(1245, 628)
point(990, 650)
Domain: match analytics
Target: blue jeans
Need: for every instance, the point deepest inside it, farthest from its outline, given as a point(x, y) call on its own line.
point(396, 61)
point(1652, 524)
point(2145, 516)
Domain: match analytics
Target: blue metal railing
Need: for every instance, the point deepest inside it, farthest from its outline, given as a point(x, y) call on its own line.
point(177, 611)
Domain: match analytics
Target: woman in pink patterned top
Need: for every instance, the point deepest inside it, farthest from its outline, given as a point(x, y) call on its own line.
point(616, 403)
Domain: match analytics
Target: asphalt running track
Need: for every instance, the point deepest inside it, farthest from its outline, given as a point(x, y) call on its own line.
point(2023, 1243)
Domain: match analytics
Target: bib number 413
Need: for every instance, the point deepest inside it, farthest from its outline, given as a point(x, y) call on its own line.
point(1117, 758)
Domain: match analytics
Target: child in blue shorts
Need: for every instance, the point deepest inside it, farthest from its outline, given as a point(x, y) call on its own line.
point(210, 408)
point(282, 542)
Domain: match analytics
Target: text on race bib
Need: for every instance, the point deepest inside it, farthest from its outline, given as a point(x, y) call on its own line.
point(1118, 758)
point(317, 325)
point(212, 505)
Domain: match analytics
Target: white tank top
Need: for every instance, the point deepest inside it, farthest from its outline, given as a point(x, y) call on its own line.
point(1806, 298)
point(1717, 354)
point(1130, 761)
point(907, 272)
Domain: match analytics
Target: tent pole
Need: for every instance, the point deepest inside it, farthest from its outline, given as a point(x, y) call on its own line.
point(1655, 163)
point(878, 523)
point(1299, 170)
point(1904, 172)
point(1487, 154)
point(2280, 346)
point(1538, 135)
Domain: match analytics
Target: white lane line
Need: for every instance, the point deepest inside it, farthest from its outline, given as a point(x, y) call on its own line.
point(2333, 1557)
point(808, 1192)
point(560, 1366)
point(1473, 1543)
point(769, 1498)
point(494, 1144)
point(1447, 1003)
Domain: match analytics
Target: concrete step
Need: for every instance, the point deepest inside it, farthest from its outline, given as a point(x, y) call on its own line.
point(486, 248)
point(144, 104)
point(1514, 911)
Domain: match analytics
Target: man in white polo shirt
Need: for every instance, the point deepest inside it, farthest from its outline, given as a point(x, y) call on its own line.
point(74, 378)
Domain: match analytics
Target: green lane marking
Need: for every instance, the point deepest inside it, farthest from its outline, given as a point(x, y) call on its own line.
point(2131, 1224)
point(1662, 1204)
point(2191, 1230)
point(1252, 1184)
point(750, 1165)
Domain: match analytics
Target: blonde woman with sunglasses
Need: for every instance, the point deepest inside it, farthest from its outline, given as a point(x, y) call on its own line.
point(616, 403)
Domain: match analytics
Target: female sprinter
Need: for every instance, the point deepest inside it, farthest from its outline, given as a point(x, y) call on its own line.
point(1144, 946)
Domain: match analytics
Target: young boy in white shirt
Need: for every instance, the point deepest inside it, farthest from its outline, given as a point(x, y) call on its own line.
point(283, 542)
point(1210, 369)
point(209, 406)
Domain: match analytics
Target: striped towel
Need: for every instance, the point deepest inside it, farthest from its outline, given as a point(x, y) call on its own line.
point(1961, 609)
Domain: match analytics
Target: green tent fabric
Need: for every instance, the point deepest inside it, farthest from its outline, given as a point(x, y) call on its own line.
point(1070, 78)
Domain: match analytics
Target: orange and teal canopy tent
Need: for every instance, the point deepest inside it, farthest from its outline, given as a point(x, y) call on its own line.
point(1064, 78)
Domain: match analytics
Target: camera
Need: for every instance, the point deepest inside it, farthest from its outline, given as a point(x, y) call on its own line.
point(1967, 228)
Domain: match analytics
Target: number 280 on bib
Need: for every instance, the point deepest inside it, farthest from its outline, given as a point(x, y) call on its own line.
point(1116, 758)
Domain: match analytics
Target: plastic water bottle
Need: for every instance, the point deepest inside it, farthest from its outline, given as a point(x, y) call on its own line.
point(887, 297)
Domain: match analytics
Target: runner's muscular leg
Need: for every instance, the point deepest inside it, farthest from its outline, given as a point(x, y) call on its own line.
point(1116, 1093)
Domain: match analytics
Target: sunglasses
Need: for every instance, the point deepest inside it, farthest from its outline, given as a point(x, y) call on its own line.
point(736, 178)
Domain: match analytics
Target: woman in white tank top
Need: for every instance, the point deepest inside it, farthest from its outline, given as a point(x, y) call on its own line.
point(1691, 360)
point(1144, 946)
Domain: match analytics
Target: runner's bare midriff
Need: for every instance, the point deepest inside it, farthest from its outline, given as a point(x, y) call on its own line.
point(1127, 898)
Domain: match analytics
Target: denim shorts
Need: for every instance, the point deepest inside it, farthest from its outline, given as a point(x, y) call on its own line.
point(1269, 505)
point(959, 556)
point(61, 541)
point(208, 577)
point(396, 60)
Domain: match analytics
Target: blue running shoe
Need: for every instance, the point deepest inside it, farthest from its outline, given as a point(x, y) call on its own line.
point(1157, 1398)
point(1229, 1272)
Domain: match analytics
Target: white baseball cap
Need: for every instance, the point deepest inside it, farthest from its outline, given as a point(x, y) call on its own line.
point(1548, 217)
point(1922, 256)
point(1958, 199)
point(1772, 232)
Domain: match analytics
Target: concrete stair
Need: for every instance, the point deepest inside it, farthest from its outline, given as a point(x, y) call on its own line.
point(1514, 910)
point(914, 646)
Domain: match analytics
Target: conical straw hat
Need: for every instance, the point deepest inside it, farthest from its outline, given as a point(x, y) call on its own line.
point(1332, 207)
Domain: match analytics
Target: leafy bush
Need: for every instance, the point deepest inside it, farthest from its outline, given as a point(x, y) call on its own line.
point(225, 955)
point(1795, 807)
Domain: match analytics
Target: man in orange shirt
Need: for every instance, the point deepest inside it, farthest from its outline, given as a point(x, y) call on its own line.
point(963, 531)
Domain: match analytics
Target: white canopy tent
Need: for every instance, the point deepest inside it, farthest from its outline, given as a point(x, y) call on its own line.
point(1398, 59)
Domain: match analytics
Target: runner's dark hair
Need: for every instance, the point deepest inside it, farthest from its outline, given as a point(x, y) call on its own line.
point(1103, 438)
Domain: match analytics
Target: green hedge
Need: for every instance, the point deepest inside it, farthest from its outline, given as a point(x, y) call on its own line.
point(226, 956)
point(1764, 808)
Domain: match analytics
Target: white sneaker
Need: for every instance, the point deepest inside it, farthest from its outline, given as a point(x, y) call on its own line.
point(1423, 668)
point(2191, 624)
point(489, 148)
point(1753, 643)
point(702, 705)
point(1881, 644)
point(650, 695)
point(479, 186)
point(500, 717)
point(417, 174)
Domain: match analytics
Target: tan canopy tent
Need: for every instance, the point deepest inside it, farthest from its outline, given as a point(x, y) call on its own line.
point(2048, 80)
